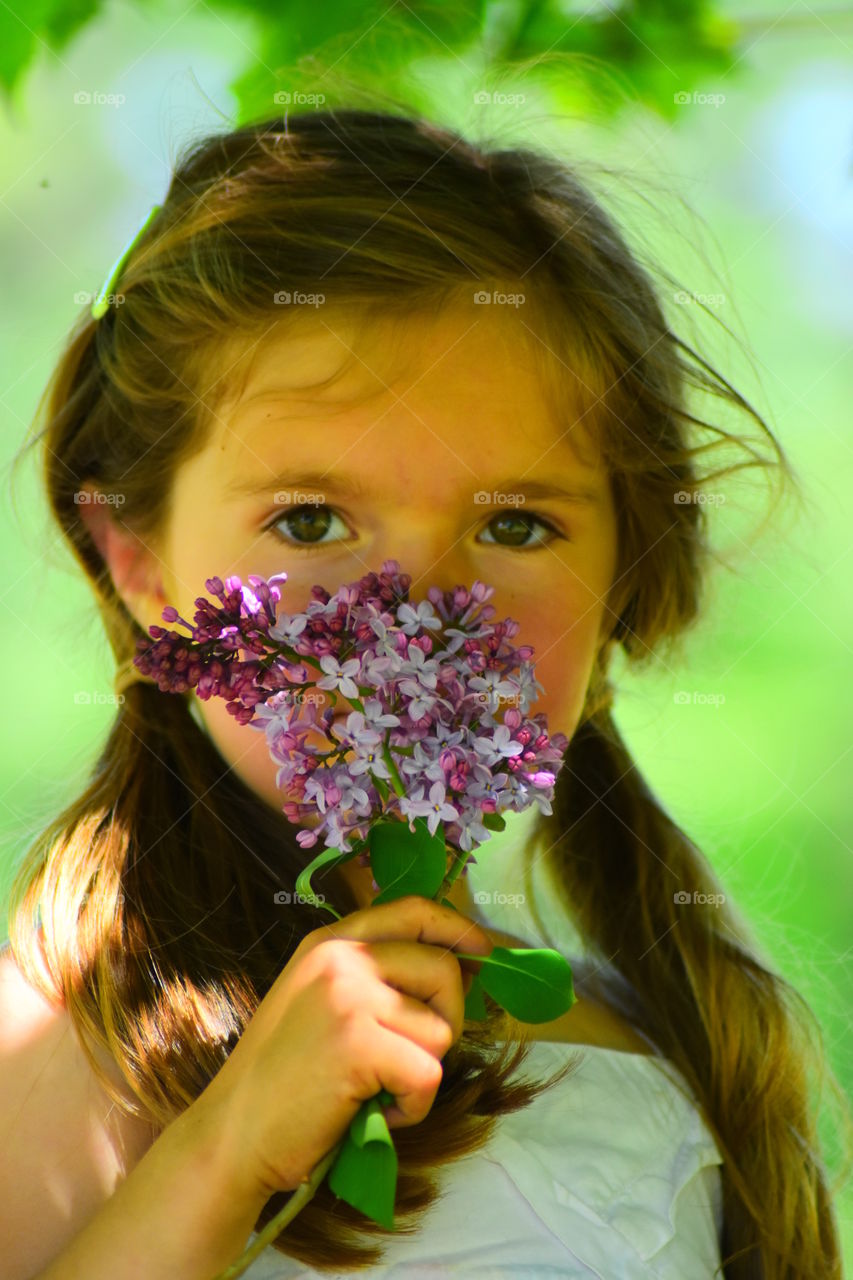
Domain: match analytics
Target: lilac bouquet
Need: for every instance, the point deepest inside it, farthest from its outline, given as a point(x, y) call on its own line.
point(410, 780)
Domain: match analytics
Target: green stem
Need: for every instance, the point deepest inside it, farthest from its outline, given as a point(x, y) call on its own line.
point(276, 1225)
point(392, 768)
point(458, 863)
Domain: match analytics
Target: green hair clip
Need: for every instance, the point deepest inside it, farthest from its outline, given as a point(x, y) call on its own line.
point(101, 304)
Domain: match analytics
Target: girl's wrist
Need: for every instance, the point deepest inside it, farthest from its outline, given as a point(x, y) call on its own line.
point(224, 1209)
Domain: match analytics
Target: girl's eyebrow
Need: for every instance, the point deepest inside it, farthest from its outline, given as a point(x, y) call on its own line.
point(350, 487)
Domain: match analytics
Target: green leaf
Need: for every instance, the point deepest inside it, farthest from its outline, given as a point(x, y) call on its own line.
point(364, 1172)
point(18, 45)
point(326, 858)
point(475, 1005)
point(533, 984)
point(44, 25)
point(494, 821)
point(404, 861)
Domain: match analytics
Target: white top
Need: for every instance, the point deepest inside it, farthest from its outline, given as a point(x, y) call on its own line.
point(609, 1174)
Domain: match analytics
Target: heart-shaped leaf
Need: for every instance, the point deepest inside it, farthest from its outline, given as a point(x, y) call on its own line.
point(364, 1172)
point(493, 821)
point(533, 984)
point(404, 861)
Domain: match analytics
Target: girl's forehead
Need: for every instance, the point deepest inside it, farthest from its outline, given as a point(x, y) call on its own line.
point(470, 361)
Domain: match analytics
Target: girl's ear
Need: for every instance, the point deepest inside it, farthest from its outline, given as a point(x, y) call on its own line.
point(135, 569)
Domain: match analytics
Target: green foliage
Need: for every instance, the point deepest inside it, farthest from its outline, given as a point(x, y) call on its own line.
point(533, 984)
point(475, 1005)
point(404, 861)
point(325, 858)
point(40, 22)
point(308, 54)
point(364, 1172)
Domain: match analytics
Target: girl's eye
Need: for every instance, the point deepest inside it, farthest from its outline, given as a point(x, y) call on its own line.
point(308, 526)
point(515, 528)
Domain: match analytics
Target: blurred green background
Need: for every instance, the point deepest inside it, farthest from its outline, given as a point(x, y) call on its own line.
point(738, 118)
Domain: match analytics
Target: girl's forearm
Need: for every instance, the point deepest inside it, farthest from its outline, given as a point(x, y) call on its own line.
point(176, 1216)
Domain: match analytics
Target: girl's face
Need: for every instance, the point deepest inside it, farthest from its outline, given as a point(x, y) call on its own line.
point(428, 441)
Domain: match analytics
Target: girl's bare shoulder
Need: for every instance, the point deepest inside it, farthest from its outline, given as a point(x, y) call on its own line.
point(64, 1144)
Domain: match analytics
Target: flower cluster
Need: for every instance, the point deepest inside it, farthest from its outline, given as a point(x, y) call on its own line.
point(425, 682)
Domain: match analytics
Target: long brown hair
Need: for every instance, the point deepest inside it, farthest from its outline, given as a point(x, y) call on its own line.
point(161, 933)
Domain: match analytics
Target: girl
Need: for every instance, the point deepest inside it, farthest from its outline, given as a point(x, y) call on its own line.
point(349, 336)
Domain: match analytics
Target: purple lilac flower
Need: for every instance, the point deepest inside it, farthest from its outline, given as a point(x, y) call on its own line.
point(425, 679)
point(435, 809)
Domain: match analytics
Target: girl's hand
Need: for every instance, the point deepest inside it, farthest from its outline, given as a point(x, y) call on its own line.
point(371, 1001)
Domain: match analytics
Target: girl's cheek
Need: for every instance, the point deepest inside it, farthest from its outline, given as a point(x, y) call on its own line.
point(243, 748)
